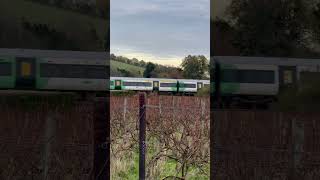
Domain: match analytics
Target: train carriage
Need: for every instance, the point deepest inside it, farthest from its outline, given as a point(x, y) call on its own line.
point(53, 70)
point(187, 86)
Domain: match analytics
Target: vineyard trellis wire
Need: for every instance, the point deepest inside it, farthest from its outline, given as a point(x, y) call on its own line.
point(177, 130)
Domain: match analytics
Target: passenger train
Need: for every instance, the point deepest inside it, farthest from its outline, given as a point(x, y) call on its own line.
point(260, 79)
point(172, 86)
point(243, 79)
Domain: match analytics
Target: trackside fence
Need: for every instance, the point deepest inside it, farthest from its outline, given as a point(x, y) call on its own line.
point(177, 136)
point(265, 145)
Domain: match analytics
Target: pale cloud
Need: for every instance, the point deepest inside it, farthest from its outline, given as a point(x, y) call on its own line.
point(165, 60)
point(160, 30)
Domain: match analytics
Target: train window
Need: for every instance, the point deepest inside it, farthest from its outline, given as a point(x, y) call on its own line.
point(5, 69)
point(111, 83)
point(188, 85)
point(229, 75)
point(168, 84)
point(73, 71)
point(145, 84)
point(97, 72)
point(248, 76)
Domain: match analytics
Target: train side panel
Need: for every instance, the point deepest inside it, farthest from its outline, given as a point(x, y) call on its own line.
point(7, 72)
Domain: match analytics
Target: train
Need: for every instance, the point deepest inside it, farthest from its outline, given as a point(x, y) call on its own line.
point(256, 80)
point(159, 85)
point(259, 80)
point(51, 70)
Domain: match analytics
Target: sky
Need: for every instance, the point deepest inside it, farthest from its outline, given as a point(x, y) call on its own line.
point(161, 31)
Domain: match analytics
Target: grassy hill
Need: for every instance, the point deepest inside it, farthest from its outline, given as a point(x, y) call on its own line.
point(136, 71)
point(78, 27)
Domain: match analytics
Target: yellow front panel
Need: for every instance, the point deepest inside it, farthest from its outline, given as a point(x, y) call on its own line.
point(25, 69)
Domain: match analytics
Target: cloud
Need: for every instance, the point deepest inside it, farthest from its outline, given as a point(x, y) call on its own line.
point(191, 8)
point(160, 29)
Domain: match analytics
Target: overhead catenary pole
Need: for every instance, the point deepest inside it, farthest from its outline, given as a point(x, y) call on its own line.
point(142, 135)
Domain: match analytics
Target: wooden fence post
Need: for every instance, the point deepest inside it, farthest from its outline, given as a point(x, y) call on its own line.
point(101, 139)
point(142, 135)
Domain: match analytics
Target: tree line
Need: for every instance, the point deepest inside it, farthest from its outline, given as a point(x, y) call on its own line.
point(192, 67)
point(289, 28)
point(97, 8)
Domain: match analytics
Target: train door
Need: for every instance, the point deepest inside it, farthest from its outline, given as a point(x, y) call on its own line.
point(117, 85)
point(155, 85)
point(287, 76)
point(199, 85)
point(25, 73)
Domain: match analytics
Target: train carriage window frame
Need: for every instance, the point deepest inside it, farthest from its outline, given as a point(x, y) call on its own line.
point(248, 76)
point(5, 69)
point(48, 70)
point(188, 85)
point(168, 84)
point(142, 84)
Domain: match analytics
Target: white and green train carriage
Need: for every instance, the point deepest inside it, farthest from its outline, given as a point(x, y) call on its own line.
point(258, 80)
point(26, 69)
point(176, 86)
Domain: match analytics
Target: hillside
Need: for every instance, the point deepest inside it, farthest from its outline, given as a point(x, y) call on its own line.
point(47, 25)
point(135, 71)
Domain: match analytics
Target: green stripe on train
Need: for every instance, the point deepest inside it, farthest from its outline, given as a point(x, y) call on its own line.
point(8, 81)
point(227, 87)
point(41, 82)
point(112, 87)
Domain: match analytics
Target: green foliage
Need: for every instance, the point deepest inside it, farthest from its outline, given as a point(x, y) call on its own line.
point(271, 28)
point(148, 72)
point(195, 67)
point(303, 97)
point(134, 71)
point(50, 27)
point(205, 91)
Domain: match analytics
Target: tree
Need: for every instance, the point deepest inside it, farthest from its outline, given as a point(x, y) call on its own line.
point(149, 69)
point(195, 67)
point(269, 27)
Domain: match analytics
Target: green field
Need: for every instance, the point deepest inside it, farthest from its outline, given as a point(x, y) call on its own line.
point(136, 71)
point(76, 25)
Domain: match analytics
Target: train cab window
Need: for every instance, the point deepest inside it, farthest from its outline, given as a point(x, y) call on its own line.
point(168, 84)
point(5, 69)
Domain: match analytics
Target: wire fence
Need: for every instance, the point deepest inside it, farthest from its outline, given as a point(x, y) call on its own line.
point(177, 137)
point(46, 141)
point(265, 145)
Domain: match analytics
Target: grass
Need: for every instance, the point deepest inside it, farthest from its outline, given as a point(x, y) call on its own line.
point(135, 70)
point(73, 23)
point(126, 166)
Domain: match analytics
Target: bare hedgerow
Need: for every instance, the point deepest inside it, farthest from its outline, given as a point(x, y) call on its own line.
point(177, 131)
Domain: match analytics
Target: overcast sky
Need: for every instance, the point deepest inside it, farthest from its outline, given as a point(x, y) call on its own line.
point(162, 31)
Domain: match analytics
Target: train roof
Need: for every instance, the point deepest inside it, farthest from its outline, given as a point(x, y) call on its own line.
point(282, 61)
point(54, 53)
